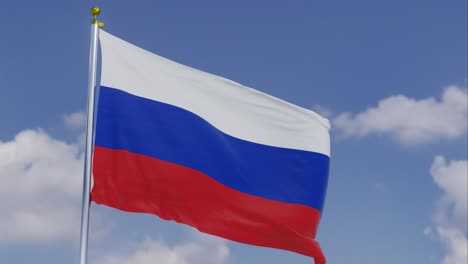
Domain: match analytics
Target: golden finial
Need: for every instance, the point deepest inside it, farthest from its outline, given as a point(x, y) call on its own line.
point(95, 11)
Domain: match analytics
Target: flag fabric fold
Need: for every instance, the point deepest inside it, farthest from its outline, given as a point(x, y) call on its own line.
point(205, 151)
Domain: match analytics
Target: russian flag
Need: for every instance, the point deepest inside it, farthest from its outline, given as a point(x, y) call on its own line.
point(205, 151)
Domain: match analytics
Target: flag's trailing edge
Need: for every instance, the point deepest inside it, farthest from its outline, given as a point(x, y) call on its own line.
point(205, 151)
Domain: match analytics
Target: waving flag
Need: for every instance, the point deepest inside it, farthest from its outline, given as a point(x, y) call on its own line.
point(208, 152)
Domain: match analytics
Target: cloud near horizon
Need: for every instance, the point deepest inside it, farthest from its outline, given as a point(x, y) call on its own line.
point(40, 192)
point(409, 120)
point(200, 249)
point(450, 216)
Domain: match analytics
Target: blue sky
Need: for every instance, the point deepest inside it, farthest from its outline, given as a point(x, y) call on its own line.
point(390, 75)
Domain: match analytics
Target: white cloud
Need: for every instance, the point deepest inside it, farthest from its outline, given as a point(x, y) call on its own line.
point(75, 120)
point(41, 187)
point(450, 217)
point(456, 245)
point(452, 178)
point(202, 249)
point(410, 120)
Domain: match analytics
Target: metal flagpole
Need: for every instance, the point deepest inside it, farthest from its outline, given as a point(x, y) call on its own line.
point(95, 25)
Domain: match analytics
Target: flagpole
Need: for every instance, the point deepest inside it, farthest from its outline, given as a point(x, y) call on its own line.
point(93, 53)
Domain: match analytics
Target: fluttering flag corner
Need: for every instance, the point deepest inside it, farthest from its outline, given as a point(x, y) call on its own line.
point(205, 151)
